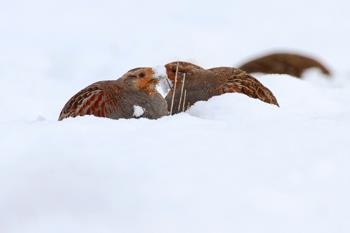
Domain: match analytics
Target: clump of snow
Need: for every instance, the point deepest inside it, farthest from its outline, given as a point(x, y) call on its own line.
point(164, 84)
point(138, 111)
point(160, 71)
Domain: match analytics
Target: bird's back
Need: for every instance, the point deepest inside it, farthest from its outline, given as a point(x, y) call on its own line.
point(283, 63)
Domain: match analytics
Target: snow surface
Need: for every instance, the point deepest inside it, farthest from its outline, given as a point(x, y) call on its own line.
point(231, 164)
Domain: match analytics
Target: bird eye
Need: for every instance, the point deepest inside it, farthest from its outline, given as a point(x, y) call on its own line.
point(142, 75)
point(174, 69)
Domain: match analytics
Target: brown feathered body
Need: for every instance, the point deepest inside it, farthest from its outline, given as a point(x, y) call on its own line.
point(283, 63)
point(201, 84)
point(116, 99)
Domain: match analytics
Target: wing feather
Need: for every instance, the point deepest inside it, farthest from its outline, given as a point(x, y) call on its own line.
point(93, 100)
point(236, 80)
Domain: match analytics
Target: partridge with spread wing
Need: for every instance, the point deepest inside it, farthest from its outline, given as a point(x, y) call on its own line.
point(132, 95)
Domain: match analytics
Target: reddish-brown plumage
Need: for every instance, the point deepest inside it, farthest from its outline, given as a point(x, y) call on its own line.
point(116, 98)
point(202, 84)
point(283, 63)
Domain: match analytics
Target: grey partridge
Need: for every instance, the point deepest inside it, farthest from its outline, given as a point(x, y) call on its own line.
point(131, 96)
point(283, 63)
point(201, 84)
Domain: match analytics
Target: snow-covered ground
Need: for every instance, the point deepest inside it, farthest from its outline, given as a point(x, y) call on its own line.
point(231, 164)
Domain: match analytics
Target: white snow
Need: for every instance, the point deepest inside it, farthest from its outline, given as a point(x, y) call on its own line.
point(138, 111)
point(231, 164)
point(164, 84)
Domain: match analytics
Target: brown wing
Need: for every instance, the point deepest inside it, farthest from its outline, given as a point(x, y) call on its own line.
point(92, 100)
point(250, 87)
point(236, 80)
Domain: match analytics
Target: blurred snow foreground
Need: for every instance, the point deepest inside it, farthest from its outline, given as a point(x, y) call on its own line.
point(231, 164)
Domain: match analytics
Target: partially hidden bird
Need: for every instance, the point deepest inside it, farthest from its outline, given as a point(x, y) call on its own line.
point(284, 63)
point(192, 83)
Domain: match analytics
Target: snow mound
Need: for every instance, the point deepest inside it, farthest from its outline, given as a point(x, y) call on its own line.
point(298, 99)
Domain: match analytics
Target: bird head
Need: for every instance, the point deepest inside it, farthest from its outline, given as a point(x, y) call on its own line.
point(180, 68)
point(141, 79)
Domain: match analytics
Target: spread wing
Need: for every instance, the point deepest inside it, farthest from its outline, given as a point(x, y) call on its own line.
point(250, 87)
point(95, 100)
point(239, 81)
